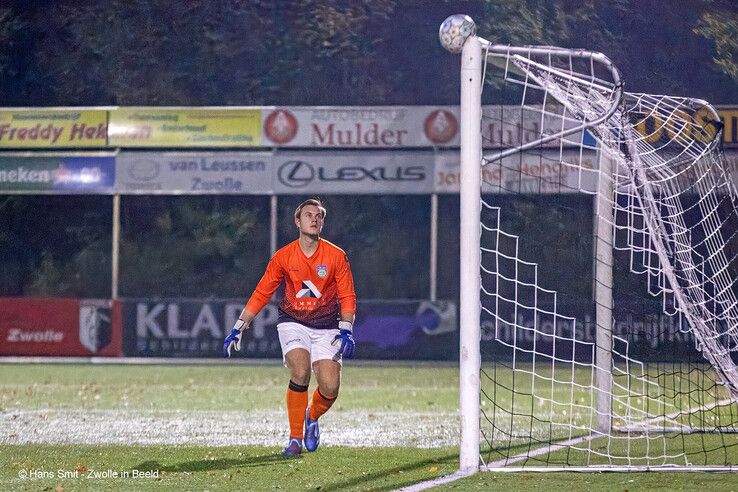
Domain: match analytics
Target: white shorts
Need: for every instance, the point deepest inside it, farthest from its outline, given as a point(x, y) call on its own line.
point(319, 343)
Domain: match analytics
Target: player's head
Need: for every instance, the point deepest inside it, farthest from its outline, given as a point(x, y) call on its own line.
point(309, 217)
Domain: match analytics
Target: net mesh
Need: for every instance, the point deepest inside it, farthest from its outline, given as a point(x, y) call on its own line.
point(568, 152)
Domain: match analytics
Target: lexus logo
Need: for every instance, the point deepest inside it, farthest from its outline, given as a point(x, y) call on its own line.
point(296, 174)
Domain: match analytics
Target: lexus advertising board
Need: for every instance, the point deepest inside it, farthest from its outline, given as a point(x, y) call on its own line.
point(349, 172)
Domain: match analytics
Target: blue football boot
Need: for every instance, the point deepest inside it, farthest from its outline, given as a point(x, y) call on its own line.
point(294, 448)
point(312, 432)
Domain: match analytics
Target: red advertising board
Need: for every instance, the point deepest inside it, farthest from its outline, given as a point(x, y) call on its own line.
point(59, 327)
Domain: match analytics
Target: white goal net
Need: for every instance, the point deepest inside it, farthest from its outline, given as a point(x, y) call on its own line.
point(604, 297)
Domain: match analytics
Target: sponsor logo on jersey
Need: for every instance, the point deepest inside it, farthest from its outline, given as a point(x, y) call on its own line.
point(308, 290)
point(322, 271)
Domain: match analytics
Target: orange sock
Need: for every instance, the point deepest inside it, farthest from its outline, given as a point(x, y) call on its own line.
point(320, 404)
point(297, 401)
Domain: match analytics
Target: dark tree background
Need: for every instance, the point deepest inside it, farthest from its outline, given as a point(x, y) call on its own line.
point(312, 52)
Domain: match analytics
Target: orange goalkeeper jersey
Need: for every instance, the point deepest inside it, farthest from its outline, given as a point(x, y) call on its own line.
point(317, 289)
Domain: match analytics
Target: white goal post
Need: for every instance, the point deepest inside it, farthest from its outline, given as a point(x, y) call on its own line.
point(662, 199)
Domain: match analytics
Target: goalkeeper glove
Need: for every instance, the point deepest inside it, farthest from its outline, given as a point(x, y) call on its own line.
point(234, 338)
point(346, 337)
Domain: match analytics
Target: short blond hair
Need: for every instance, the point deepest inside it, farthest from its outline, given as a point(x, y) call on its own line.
point(310, 201)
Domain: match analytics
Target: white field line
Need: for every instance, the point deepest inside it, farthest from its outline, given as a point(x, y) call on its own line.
point(650, 423)
point(615, 468)
point(435, 482)
point(502, 465)
point(537, 452)
point(495, 466)
point(228, 428)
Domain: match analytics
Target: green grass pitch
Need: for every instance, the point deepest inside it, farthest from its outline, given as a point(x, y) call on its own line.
point(154, 427)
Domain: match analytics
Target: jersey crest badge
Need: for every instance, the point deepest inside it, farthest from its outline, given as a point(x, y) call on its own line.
point(322, 271)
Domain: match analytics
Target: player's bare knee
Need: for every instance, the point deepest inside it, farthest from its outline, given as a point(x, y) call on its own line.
point(300, 375)
point(329, 391)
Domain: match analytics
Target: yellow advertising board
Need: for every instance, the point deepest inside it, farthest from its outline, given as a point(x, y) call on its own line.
point(191, 127)
point(52, 128)
point(729, 117)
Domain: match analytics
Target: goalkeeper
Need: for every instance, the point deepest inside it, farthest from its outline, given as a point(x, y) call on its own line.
point(315, 321)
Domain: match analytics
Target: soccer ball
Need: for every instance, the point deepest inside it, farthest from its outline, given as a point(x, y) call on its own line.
point(454, 31)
